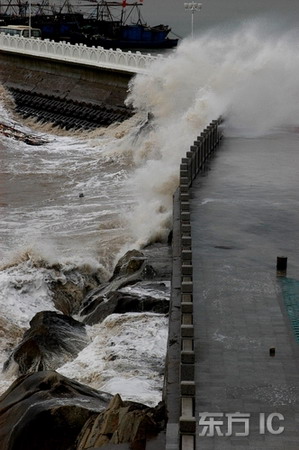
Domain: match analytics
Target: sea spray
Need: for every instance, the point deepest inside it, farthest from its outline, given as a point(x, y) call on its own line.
point(247, 76)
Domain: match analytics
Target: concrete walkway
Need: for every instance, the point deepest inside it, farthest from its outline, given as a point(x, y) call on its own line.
point(245, 213)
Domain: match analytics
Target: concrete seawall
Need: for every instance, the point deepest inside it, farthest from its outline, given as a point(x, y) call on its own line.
point(62, 79)
point(179, 387)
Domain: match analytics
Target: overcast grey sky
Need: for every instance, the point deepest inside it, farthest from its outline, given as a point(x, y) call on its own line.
point(219, 13)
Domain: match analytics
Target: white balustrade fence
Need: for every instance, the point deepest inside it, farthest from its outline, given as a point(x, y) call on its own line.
point(81, 54)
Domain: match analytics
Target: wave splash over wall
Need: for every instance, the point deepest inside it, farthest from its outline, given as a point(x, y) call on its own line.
point(248, 76)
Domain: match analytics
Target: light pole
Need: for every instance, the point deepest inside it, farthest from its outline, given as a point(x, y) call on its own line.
point(29, 20)
point(192, 6)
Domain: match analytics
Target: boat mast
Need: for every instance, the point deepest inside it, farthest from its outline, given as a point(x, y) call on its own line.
point(20, 7)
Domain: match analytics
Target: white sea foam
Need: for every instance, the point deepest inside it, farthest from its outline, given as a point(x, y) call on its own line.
point(151, 289)
point(24, 292)
point(126, 356)
point(62, 194)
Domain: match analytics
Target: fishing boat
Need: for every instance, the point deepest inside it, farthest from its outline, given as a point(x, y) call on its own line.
point(108, 24)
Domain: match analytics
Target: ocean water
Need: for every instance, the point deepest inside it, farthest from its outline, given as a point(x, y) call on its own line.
point(127, 174)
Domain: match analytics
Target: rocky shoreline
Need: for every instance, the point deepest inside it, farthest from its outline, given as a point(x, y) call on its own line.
point(19, 135)
point(45, 410)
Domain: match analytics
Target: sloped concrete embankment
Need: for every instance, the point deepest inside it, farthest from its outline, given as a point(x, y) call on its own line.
point(179, 388)
point(65, 94)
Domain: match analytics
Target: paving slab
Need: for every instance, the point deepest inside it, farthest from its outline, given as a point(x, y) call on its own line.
point(245, 213)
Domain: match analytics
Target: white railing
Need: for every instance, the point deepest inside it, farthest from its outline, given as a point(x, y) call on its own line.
point(81, 54)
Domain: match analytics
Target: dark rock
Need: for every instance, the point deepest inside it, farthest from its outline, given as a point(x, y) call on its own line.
point(133, 267)
point(46, 411)
point(117, 302)
point(51, 339)
point(99, 308)
point(128, 264)
point(19, 135)
point(148, 272)
point(70, 289)
point(122, 422)
point(133, 303)
point(129, 269)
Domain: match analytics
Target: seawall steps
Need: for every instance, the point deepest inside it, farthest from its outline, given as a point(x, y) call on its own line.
point(66, 113)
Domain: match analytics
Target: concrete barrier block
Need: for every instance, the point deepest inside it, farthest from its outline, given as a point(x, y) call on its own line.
point(186, 255)
point(187, 287)
point(187, 331)
point(184, 174)
point(184, 180)
point(187, 319)
point(185, 206)
point(187, 307)
point(185, 197)
point(191, 156)
point(187, 357)
point(187, 442)
point(184, 168)
point(187, 425)
point(184, 164)
point(187, 344)
point(185, 279)
point(185, 216)
point(187, 407)
point(184, 187)
point(187, 270)
point(186, 229)
point(186, 242)
point(187, 372)
point(187, 419)
point(187, 388)
point(186, 298)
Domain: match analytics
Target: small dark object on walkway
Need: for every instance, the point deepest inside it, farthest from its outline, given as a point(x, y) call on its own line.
point(281, 263)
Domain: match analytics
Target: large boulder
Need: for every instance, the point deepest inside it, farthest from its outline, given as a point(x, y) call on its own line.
point(50, 341)
point(69, 287)
point(122, 422)
point(130, 268)
point(128, 264)
point(119, 303)
point(46, 411)
point(104, 300)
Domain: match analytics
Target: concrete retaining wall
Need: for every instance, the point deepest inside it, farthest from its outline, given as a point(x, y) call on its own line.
point(74, 72)
point(180, 389)
point(115, 60)
point(65, 80)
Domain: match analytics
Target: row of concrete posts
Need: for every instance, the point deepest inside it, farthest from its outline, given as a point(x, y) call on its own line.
point(181, 387)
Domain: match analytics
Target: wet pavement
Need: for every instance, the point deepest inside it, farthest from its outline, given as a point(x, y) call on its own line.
point(245, 213)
